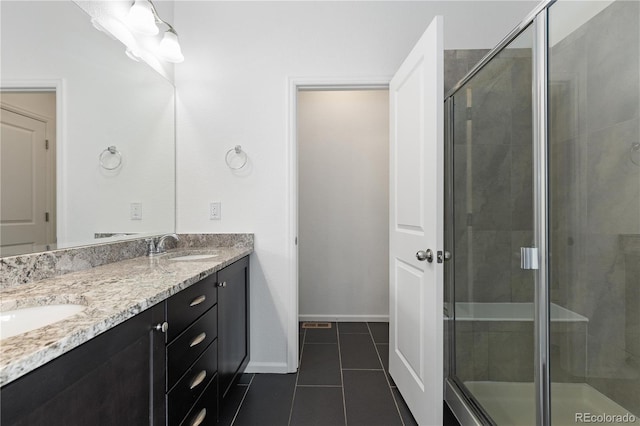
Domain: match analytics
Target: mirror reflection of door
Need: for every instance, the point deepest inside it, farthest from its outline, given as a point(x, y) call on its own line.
point(27, 172)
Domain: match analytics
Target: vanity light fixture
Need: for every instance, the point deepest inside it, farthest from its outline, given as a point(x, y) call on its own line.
point(169, 48)
point(143, 19)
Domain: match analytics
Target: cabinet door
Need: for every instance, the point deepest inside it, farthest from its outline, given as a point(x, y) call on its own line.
point(116, 378)
point(233, 322)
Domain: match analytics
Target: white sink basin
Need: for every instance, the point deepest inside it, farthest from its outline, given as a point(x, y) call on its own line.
point(20, 321)
point(194, 257)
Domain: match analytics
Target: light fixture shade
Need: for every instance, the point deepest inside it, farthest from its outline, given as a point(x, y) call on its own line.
point(170, 48)
point(132, 54)
point(141, 18)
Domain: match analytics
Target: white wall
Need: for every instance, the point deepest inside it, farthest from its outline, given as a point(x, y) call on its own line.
point(233, 89)
point(108, 99)
point(343, 205)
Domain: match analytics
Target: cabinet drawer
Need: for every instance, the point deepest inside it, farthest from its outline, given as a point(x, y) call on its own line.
point(205, 411)
point(192, 384)
point(184, 307)
point(187, 347)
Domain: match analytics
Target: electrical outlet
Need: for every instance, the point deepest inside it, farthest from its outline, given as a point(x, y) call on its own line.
point(136, 211)
point(214, 211)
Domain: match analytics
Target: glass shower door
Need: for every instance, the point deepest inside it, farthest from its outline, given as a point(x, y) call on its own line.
point(492, 175)
point(594, 211)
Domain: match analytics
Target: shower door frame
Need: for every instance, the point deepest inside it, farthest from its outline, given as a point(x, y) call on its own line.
point(466, 408)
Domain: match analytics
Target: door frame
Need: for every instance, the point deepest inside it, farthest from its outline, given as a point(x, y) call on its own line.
point(294, 84)
point(57, 86)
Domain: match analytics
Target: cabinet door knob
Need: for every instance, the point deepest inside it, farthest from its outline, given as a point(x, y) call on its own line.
point(222, 284)
point(163, 327)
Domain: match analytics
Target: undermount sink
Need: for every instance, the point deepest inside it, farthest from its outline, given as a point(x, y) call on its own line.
point(194, 257)
point(18, 321)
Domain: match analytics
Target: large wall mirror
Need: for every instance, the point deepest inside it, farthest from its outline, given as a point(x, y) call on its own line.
point(88, 135)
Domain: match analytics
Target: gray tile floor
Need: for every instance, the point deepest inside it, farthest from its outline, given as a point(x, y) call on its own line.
point(343, 380)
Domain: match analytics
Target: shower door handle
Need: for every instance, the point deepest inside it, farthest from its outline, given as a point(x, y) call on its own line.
point(528, 258)
point(423, 255)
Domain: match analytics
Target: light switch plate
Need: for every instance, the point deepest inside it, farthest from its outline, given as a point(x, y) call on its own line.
point(214, 210)
point(136, 211)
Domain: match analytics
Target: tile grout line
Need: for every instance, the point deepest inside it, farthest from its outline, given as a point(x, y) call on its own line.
point(385, 375)
point(344, 402)
point(235, 416)
point(295, 387)
point(318, 386)
point(364, 369)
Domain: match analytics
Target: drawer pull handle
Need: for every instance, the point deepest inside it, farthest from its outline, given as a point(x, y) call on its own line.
point(198, 379)
point(198, 300)
point(199, 418)
point(198, 339)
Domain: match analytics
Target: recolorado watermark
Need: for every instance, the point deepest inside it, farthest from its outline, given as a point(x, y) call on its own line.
point(605, 418)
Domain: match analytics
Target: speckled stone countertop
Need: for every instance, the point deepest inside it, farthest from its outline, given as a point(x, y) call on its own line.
point(112, 294)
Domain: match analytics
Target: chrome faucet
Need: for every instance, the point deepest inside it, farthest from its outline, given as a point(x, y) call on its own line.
point(155, 246)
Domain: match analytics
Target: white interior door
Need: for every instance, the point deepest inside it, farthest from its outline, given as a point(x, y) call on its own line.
point(23, 183)
point(416, 225)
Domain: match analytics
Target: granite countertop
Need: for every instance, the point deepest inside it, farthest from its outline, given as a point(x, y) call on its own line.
point(112, 294)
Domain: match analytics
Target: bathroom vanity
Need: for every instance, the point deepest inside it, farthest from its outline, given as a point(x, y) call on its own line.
point(170, 359)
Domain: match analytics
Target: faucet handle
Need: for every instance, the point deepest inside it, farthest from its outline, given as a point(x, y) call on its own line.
point(151, 246)
point(155, 245)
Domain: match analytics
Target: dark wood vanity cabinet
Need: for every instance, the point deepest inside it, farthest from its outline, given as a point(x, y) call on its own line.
point(233, 323)
point(192, 355)
point(207, 344)
point(118, 375)
point(139, 374)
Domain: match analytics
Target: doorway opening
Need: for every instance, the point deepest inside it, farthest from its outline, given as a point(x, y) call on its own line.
point(28, 181)
point(343, 204)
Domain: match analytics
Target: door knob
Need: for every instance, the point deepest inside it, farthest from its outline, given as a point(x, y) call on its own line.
point(423, 255)
point(443, 256)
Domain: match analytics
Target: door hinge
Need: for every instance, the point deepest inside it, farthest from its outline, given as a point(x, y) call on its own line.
point(469, 219)
point(46, 144)
point(46, 216)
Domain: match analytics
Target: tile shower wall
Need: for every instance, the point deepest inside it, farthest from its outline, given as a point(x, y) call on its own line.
point(457, 63)
point(595, 196)
point(493, 217)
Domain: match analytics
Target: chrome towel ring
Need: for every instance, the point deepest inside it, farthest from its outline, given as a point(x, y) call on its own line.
point(110, 158)
point(236, 158)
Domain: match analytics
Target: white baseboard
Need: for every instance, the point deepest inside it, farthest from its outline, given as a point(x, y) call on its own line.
point(266, 367)
point(345, 318)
